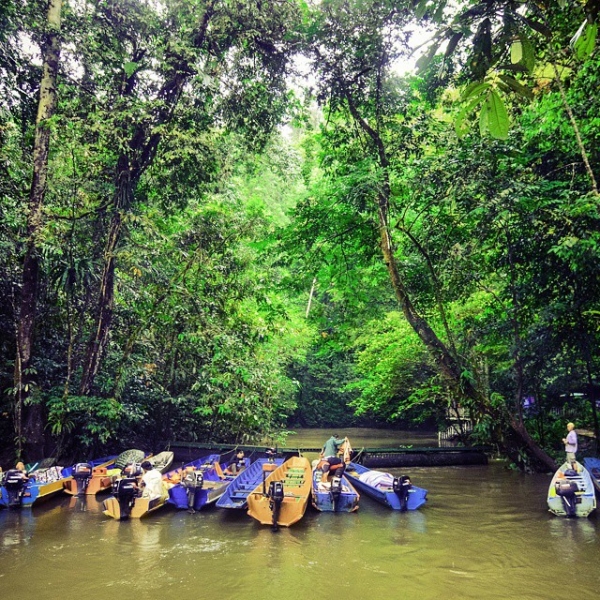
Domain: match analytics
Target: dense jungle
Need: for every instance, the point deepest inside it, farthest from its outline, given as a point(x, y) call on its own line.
point(224, 219)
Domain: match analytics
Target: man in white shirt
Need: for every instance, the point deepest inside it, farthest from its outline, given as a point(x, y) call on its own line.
point(570, 443)
point(151, 481)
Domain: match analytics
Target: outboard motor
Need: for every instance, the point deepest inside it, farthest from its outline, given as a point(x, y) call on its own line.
point(401, 486)
point(82, 473)
point(566, 490)
point(125, 490)
point(336, 490)
point(276, 496)
point(192, 482)
point(132, 470)
point(15, 482)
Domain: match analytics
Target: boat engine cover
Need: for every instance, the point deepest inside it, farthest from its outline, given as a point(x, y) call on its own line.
point(82, 470)
point(15, 482)
point(126, 487)
point(132, 470)
point(193, 480)
point(566, 488)
point(276, 492)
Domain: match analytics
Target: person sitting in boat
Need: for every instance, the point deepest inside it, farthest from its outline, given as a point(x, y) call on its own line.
point(151, 482)
point(236, 464)
point(329, 464)
point(570, 443)
point(21, 467)
point(330, 459)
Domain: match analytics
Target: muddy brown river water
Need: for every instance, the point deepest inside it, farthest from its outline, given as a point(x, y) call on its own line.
point(484, 534)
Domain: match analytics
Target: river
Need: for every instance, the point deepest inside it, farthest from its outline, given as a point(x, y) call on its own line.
point(484, 534)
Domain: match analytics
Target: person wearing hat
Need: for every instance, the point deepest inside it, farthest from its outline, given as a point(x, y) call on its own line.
point(570, 443)
point(151, 483)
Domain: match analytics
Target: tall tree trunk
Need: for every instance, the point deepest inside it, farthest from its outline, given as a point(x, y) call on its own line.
point(142, 149)
point(28, 417)
point(447, 364)
point(104, 312)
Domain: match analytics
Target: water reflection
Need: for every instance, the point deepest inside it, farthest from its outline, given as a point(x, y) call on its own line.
point(85, 504)
point(17, 527)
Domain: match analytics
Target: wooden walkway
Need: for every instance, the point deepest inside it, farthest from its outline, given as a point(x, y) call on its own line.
point(369, 457)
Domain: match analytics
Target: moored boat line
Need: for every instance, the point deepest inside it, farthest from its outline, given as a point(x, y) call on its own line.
point(22, 489)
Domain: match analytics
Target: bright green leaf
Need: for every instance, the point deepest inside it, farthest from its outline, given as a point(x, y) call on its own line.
point(497, 117)
point(516, 52)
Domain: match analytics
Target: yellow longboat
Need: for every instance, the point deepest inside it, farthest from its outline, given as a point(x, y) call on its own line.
point(283, 497)
point(140, 507)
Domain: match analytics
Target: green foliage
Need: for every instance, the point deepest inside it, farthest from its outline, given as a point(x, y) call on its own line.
point(397, 381)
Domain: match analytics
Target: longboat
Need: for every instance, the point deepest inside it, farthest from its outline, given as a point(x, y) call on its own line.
point(201, 483)
point(125, 503)
point(336, 494)
point(571, 492)
point(40, 483)
point(281, 499)
point(397, 493)
point(592, 464)
point(236, 495)
point(90, 478)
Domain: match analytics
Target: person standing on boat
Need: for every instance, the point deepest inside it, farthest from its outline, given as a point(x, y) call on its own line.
point(151, 481)
point(329, 458)
point(331, 447)
point(570, 443)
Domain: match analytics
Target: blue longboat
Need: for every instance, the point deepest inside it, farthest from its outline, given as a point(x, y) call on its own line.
point(201, 483)
point(395, 492)
point(335, 495)
point(236, 494)
point(592, 464)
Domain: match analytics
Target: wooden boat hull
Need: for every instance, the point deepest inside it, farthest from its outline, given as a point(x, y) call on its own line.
point(142, 507)
point(323, 500)
point(584, 498)
point(162, 461)
point(295, 473)
point(236, 495)
point(592, 464)
point(417, 496)
point(103, 474)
